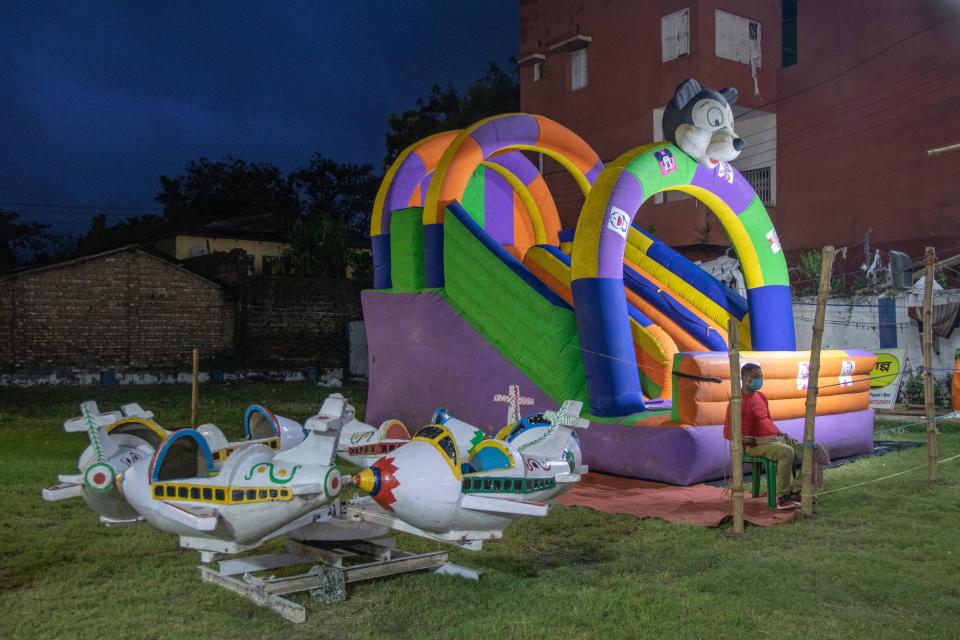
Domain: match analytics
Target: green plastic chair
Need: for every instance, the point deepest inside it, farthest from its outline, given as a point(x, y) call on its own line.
point(770, 468)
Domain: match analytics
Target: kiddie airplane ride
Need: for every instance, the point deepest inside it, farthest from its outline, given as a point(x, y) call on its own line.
point(430, 486)
point(284, 481)
point(478, 285)
point(119, 439)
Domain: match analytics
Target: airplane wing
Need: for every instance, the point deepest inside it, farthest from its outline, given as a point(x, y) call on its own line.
point(62, 491)
point(199, 518)
point(499, 505)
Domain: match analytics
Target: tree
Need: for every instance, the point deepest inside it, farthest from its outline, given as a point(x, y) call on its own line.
point(498, 91)
point(342, 191)
point(319, 247)
point(211, 191)
point(20, 239)
point(133, 230)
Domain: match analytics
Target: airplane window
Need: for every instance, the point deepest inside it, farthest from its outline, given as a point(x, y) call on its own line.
point(220, 495)
point(429, 432)
point(446, 444)
point(237, 495)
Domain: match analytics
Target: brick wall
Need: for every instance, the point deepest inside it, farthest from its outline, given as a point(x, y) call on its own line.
point(297, 321)
point(124, 310)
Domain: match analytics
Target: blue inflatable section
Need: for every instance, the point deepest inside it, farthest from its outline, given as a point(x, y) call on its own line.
point(705, 283)
point(433, 254)
point(774, 301)
point(609, 360)
point(665, 304)
point(380, 245)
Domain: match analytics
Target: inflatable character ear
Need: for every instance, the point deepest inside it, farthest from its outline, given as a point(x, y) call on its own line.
point(685, 92)
point(730, 95)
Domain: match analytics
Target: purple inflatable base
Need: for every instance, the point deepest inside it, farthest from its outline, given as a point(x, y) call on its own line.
point(424, 355)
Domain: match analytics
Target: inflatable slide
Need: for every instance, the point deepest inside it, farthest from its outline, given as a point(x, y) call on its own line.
point(478, 287)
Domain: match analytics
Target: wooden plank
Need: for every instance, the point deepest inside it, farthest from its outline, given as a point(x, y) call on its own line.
point(284, 608)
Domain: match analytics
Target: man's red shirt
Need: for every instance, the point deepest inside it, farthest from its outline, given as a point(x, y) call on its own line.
point(755, 418)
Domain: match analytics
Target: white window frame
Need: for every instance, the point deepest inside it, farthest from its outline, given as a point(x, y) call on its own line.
point(733, 40)
point(578, 69)
point(675, 35)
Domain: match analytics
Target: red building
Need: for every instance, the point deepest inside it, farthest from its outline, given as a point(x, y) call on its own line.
point(839, 104)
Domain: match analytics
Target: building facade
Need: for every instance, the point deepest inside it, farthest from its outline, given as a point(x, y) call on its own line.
point(839, 104)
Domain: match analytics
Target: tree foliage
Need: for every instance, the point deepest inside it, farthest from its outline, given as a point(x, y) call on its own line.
point(498, 91)
point(22, 242)
point(138, 229)
point(210, 191)
point(342, 191)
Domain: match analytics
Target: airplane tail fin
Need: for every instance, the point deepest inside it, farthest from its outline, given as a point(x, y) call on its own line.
point(323, 433)
point(562, 424)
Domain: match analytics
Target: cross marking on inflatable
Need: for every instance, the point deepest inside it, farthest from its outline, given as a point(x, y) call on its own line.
point(514, 401)
point(568, 416)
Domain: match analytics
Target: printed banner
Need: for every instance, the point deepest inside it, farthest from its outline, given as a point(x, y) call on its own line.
point(885, 378)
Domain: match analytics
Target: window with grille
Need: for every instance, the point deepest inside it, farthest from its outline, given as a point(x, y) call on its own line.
point(759, 179)
point(737, 38)
point(675, 35)
point(578, 69)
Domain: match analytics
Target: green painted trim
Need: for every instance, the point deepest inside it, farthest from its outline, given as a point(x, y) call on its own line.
point(506, 485)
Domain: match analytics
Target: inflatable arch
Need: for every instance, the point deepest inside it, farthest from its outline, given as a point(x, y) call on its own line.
point(506, 194)
point(601, 240)
point(483, 142)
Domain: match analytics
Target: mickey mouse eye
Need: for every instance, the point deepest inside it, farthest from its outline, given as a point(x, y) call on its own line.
point(715, 117)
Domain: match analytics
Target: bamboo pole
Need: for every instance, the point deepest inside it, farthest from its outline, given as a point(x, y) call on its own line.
point(928, 395)
point(813, 382)
point(736, 436)
point(194, 396)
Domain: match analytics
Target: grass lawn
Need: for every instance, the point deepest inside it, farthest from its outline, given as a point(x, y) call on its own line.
point(879, 561)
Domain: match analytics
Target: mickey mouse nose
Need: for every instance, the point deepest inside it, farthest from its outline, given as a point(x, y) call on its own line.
point(738, 144)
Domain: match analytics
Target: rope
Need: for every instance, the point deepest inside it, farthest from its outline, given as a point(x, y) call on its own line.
point(892, 475)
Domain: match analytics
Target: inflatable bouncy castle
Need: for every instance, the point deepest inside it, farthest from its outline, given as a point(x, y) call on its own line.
point(478, 287)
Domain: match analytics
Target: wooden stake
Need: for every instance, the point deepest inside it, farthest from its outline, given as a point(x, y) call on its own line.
point(813, 382)
point(736, 437)
point(195, 392)
point(928, 395)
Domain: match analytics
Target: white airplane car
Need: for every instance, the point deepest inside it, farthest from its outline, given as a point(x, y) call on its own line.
point(119, 439)
point(428, 484)
point(257, 494)
point(362, 444)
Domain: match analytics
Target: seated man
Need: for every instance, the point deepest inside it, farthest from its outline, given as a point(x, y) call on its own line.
point(761, 435)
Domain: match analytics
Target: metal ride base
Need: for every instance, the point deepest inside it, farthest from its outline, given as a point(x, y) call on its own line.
point(335, 565)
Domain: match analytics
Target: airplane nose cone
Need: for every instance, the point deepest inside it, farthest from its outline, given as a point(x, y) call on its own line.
point(738, 144)
point(366, 482)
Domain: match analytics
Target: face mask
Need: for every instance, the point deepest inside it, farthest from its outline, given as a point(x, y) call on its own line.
point(755, 384)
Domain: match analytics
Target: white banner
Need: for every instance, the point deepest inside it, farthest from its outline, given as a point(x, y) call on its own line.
point(885, 378)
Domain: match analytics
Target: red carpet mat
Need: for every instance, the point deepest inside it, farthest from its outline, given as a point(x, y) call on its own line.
point(700, 504)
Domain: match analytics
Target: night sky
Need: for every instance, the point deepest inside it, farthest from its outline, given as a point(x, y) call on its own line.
point(98, 99)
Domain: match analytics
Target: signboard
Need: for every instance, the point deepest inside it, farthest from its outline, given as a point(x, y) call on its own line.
point(886, 377)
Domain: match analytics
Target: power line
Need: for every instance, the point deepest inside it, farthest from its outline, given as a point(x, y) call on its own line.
point(77, 206)
point(857, 65)
point(861, 97)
